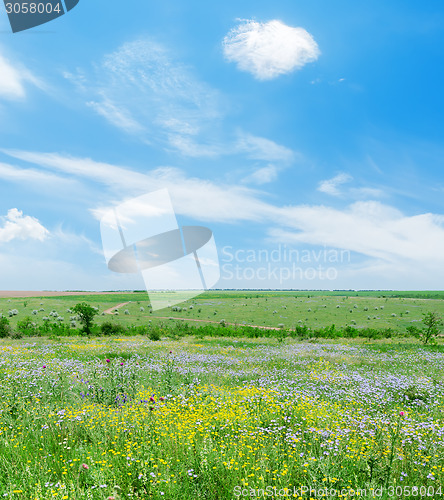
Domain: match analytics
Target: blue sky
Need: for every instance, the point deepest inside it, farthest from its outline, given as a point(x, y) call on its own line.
point(303, 126)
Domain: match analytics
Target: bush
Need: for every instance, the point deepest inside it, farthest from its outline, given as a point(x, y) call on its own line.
point(5, 329)
point(154, 334)
point(109, 328)
point(27, 327)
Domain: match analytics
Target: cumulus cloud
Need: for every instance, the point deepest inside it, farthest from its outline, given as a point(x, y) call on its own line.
point(331, 186)
point(22, 227)
point(268, 50)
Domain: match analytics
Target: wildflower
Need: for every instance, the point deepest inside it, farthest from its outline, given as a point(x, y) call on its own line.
point(162, 398)
point(108, 360)
point(151, 398)
point(44, 366)
point(111, 498)
point(121, 364)
point(401, 413)
point(85, 466)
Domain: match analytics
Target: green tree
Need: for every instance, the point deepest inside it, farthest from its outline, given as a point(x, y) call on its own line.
point(433, 323)
point(86, 314)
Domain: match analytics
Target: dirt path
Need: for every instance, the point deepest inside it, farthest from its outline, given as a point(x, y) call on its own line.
point(112, 309)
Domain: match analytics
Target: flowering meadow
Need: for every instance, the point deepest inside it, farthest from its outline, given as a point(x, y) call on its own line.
point(218, 418)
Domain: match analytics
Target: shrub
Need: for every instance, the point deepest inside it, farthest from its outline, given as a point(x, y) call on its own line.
point(414, 331)
point(110, 328)
point(27, 327)
point(154, 334)
point(5, 329)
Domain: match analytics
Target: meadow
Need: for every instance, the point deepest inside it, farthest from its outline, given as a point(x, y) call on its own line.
point(287, 309)
point(194, 416)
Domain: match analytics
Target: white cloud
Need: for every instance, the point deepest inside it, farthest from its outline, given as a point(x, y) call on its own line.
point(13, 78)
point(198, 198)
point(386, 237)
point(29, 176)
point(367, 192)
point(268, 50)
point(369, 228)
point(120, 118)
point(18, 226)
point(263, 175)
point(330, 186)
point(141, 89)
point(259, 148)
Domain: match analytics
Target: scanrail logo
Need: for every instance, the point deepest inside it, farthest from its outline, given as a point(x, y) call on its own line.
point(142, 236)
point(24, 14)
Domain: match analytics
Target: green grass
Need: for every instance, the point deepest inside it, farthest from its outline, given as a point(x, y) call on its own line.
point(314, 309)
point(77, 420)
point(236, 414)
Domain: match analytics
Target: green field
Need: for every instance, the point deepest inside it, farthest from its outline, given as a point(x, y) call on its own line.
point(122, 418)
point(254, 413)
point(396, 310)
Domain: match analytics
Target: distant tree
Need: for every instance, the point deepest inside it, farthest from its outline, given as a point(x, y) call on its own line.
point(86, 314)
point(433, 323)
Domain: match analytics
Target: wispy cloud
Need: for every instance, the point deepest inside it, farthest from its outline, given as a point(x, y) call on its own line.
point(141, 89)
point(193, 197)
point(262, 175)
point(268, 50)
point(13, 79)
point(120, 118)
point(31, 176)
point(331, 186)
point(375, 230)
point(21, 227)
point(260, 148)
point(369, 228)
